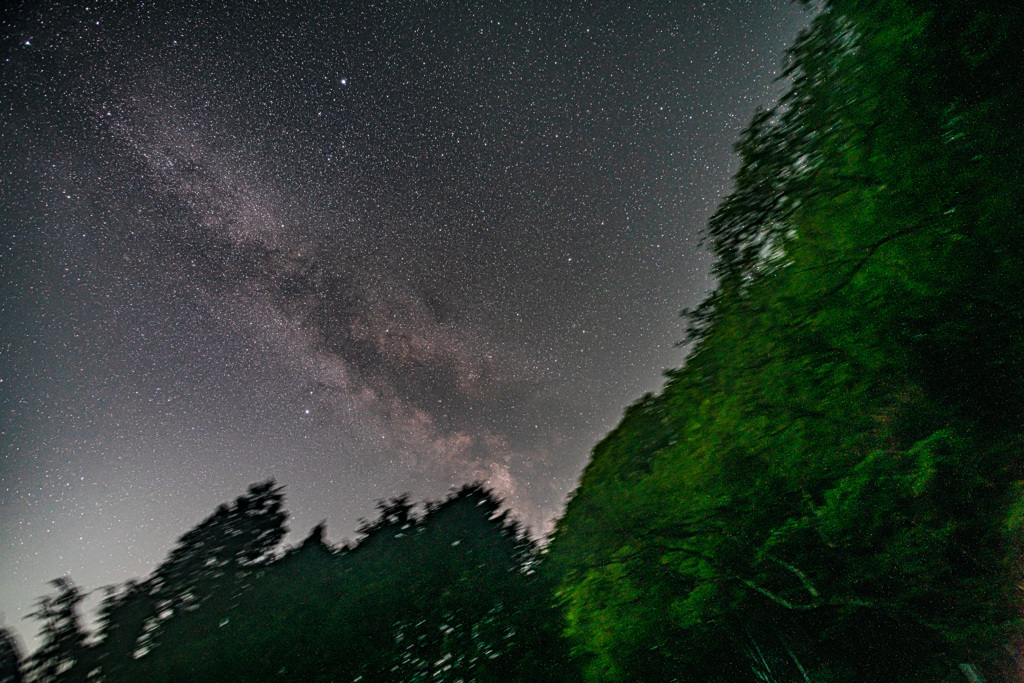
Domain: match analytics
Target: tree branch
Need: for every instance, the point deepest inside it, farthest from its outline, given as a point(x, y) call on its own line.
point(870, 251)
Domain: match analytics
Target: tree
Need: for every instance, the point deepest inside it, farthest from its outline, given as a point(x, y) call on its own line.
point(207, 570)
point(226, 545)
point(10, 658)
point(60, 655)
point(839, 456)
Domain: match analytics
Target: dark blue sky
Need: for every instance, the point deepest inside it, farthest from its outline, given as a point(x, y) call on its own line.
point(362, 249)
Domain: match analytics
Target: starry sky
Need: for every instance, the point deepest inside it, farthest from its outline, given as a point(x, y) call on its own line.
point(362, 248)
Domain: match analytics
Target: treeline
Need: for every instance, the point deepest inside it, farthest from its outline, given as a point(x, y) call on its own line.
point(830, 489)
point(449, 594)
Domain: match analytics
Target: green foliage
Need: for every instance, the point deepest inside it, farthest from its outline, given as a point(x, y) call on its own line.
point(830, 489)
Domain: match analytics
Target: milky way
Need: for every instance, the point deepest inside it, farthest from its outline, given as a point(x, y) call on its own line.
point(362, 249)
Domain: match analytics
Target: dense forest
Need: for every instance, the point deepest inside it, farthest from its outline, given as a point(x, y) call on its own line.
point(829, 489)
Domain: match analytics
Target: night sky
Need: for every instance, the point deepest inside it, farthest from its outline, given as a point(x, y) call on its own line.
point(362, 248)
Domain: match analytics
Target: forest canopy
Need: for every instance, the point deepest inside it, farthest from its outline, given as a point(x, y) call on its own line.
point(830, 488)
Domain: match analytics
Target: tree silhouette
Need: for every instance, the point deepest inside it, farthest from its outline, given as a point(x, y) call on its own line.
point(207, 569)
point(10, 658)
point(60, 656)
point(451, 593)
